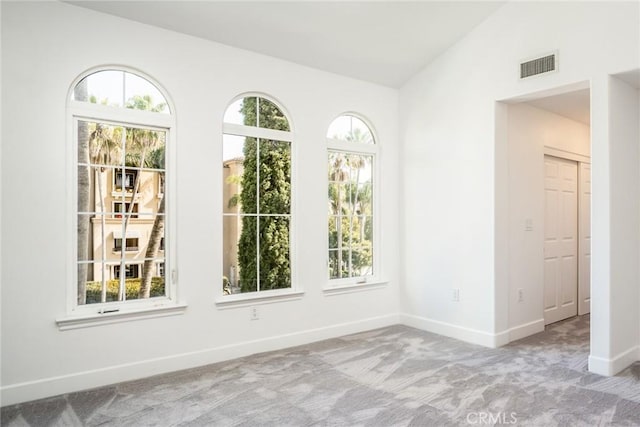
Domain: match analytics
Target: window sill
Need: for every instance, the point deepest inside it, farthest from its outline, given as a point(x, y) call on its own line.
point(347, 288)
point(97, 319)
point(264, 297)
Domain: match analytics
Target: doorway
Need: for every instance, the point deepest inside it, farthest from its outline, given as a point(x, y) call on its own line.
point(558, 125)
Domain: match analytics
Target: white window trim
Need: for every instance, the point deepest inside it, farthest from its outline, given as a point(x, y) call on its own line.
point(260, 297)
point(377, 280)
point(275, 295)
point(120, 115)
point(352, 147)
point(350, 287)
point(256, 132)
point(113, 315)
point(79, 316)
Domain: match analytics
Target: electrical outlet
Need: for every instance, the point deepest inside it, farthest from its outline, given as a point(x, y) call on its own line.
point(456, 295)
point(520, 295)
point(254, 313)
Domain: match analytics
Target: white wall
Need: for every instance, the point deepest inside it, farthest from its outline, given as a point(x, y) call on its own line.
point(530, 131)
point(452, 211)
point(455, 150)
point(44, 47)
point(622, 347)
point(0, 192)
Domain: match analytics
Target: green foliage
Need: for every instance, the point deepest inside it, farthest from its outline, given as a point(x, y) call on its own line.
point(356, 248)
point(104, 146)
point(145, 103)
point(266, 189)
point(275, 269)
point(275, 177)
point(263, 113)
point(350, 215)
point(94, 289)
point(154, 159)
point(248, 255)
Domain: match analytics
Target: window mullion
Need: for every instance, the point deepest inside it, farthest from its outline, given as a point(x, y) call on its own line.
point(124, 87)
point(123, 201)
point(257, 205)
point(97, 177)
point(117, 116)
point(258, 112)
point(350, 237)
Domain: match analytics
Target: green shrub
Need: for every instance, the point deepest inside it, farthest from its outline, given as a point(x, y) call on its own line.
point(94, 289)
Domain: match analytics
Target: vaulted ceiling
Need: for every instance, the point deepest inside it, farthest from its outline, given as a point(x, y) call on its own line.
point(384, 42)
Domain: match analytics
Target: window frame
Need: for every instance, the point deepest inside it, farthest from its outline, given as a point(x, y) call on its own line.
point(133, 249)
point(295, 291)
point(116, 268)
point(334, 145)
point(84, 315)
point(118, 172)
point(115, 213)
point(160, 268)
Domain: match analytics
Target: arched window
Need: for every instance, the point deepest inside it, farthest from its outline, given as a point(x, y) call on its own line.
point(118, 88)
point(352, 154)
point(122, 137)
point(256, 164)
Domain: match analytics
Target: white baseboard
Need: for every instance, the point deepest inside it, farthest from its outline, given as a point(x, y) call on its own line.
point(610, 367)
point(53, 386)
point(473, 336)
point(525, 330)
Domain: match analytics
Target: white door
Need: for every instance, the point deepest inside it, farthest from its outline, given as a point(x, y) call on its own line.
point(584, 248)
point(560, 239)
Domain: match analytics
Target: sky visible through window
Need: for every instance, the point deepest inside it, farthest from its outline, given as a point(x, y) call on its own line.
point(115, 88)
point(233, 147)
point(346, 128)
point(350, 128)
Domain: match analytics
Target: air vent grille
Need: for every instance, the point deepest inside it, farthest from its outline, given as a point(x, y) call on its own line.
point(538, 66)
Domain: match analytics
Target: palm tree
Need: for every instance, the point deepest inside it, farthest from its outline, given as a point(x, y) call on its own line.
point(339, 173)
point(364, 194)
point(139, 142)
point(84, 195)
point(341, 167)
point(103, 148)
point(156, 161)
point(356, 161)
point(142, 141)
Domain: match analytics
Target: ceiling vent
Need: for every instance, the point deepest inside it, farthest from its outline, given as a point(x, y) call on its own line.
point(539, 66)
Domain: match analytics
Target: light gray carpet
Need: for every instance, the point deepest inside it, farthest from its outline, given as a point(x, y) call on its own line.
point(396, 376)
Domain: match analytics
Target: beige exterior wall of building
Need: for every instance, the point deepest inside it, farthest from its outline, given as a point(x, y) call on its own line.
point(108, 189)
